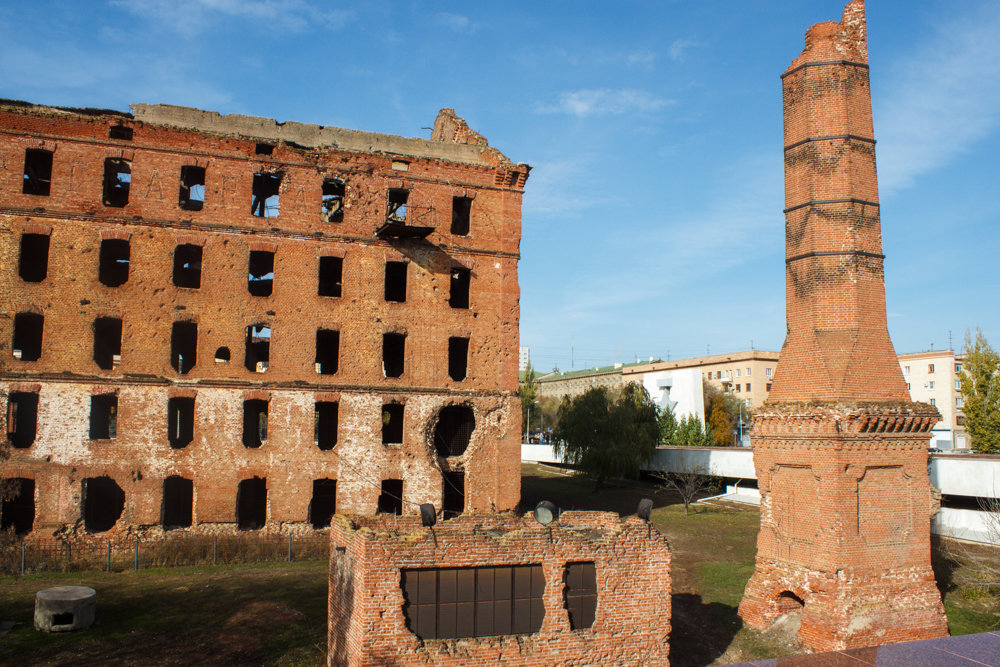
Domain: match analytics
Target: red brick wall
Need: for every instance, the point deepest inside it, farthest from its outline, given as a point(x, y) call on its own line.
point(148, 303)
point(632, 624)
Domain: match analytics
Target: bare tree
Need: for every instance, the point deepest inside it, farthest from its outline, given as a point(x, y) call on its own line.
point(688, 485)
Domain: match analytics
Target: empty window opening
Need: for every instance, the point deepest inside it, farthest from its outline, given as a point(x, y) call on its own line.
point(450, 603)
point(325, 425)
point(461, 212)
point(178, 500)
point(458, 357)
point(266, 188)
point(251, 503)
point(22, 418)
point(120, 132)
point(33, 263)
point(327, 351)
point(187, 266)
point(180, 421)
point(192, 193)
point(323, 504)
point(392, 423)
point(395, 281)
point(222, 355)
point(37, 172)
point(264, 149)
point(390, 501)
point(333, 200)
point(260, 273)
point(103, 503)
point(117, 180)
point(183, 346)
point(27, 343)
point(254, 423)
point(258, 348)
point(17, 511)
point(789, 603)
point(453, 493)
point(581, 594)
point(393, 354)
point(395, 210)
point(104, 416)
point(454, 430)
point(459, 288)
point(113, 262)
point(107, 342)
point(331, 271)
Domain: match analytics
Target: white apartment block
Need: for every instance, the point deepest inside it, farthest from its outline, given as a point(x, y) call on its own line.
point(932, 377)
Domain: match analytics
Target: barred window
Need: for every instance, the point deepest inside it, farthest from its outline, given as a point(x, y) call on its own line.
point(473, 601)
point(581, 594)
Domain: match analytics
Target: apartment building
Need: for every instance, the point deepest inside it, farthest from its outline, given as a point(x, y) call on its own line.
point(933, 377)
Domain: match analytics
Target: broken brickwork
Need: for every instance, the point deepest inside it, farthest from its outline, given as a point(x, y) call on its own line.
point(489, 588)
point(196, 311)
point(840, 452)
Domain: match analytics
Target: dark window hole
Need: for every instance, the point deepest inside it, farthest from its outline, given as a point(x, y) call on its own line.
point(258, 348)
point(453, 430)
point(103, 503)
point(333, 200)
point(178, 501)
point(180, 421)
point(458, 358)
point(323, 504)
point(395, 281)
point(33, 262)
point(107, 342)
point(327, 351)
point(392, 423)
point(22, 418)
point(183, 346)
point(325, 424)
point(330, 276)
point(27, 343)
point(103, 416)
point(113, 262)
point(260, 273)
point(254, 423)
point(192, 192)
point(251, 503)
point(390, 500)
point(461, 210)
point(187, 266)
point(37, 172)
point(117, 180)
point(458, 296)
point(393, 354)
point(265, 201)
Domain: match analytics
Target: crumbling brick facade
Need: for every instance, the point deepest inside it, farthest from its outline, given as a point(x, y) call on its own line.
point(241, 323)
point(840, 452)
point(499, 589)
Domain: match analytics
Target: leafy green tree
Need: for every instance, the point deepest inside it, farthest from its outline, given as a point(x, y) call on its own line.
point(980, 382)
point(606, 437)
point(528, 391)
point(667, 424)
point(690, 433)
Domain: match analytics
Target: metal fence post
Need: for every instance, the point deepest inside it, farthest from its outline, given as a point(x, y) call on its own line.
point(289, 547)
point(215, 550)
point(136, 553)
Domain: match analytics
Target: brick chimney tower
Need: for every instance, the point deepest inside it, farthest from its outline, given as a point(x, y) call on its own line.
point(839, 450)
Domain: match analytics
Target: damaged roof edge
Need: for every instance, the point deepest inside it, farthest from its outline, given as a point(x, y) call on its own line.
point(465, 146)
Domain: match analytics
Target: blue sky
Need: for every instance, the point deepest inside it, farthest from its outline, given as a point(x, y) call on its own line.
point(652, 221)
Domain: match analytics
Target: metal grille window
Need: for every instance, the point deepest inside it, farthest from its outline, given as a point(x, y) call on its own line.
point(581, 594)
point(449, 603)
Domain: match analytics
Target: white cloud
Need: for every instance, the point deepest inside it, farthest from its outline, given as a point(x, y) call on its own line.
point(640, 58)
point(192, 16)
point(940, 99)
point(456, 22)
point(605, 101)
point(679, 47)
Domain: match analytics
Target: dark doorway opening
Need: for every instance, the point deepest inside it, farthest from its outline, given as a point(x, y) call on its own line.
point(22, 418)
point(180, 421)
point(453, 496)
point(327, 351)
point(107, 342)
point(103, 503)
point(254, 423)
point(27, 343)
point(251, 503)
point(19, 512)
point(393, 354)
point(323, 505)
point(113, 262)
point(392, 423)
point(331, 271)
point(183, 346)
point(187, 266)
point(178, 501)
point(390, 501)
point(454, 430)
point(33, 263)
point(325, 425)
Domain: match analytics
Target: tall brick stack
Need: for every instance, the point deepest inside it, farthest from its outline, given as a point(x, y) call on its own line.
point(221, 322)
point(840, 452)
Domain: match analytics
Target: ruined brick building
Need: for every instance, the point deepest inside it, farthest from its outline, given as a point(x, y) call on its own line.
point(225, 322)
point(839, 450)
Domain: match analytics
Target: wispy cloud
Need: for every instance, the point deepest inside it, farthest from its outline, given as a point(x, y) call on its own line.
point(191, 17)
point(456, 22)
point(640, 59)
point(605, 101)
point(679, 48)
point(941, 99)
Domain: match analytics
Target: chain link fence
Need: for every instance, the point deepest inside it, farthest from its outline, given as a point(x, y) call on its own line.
point(132, 553)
